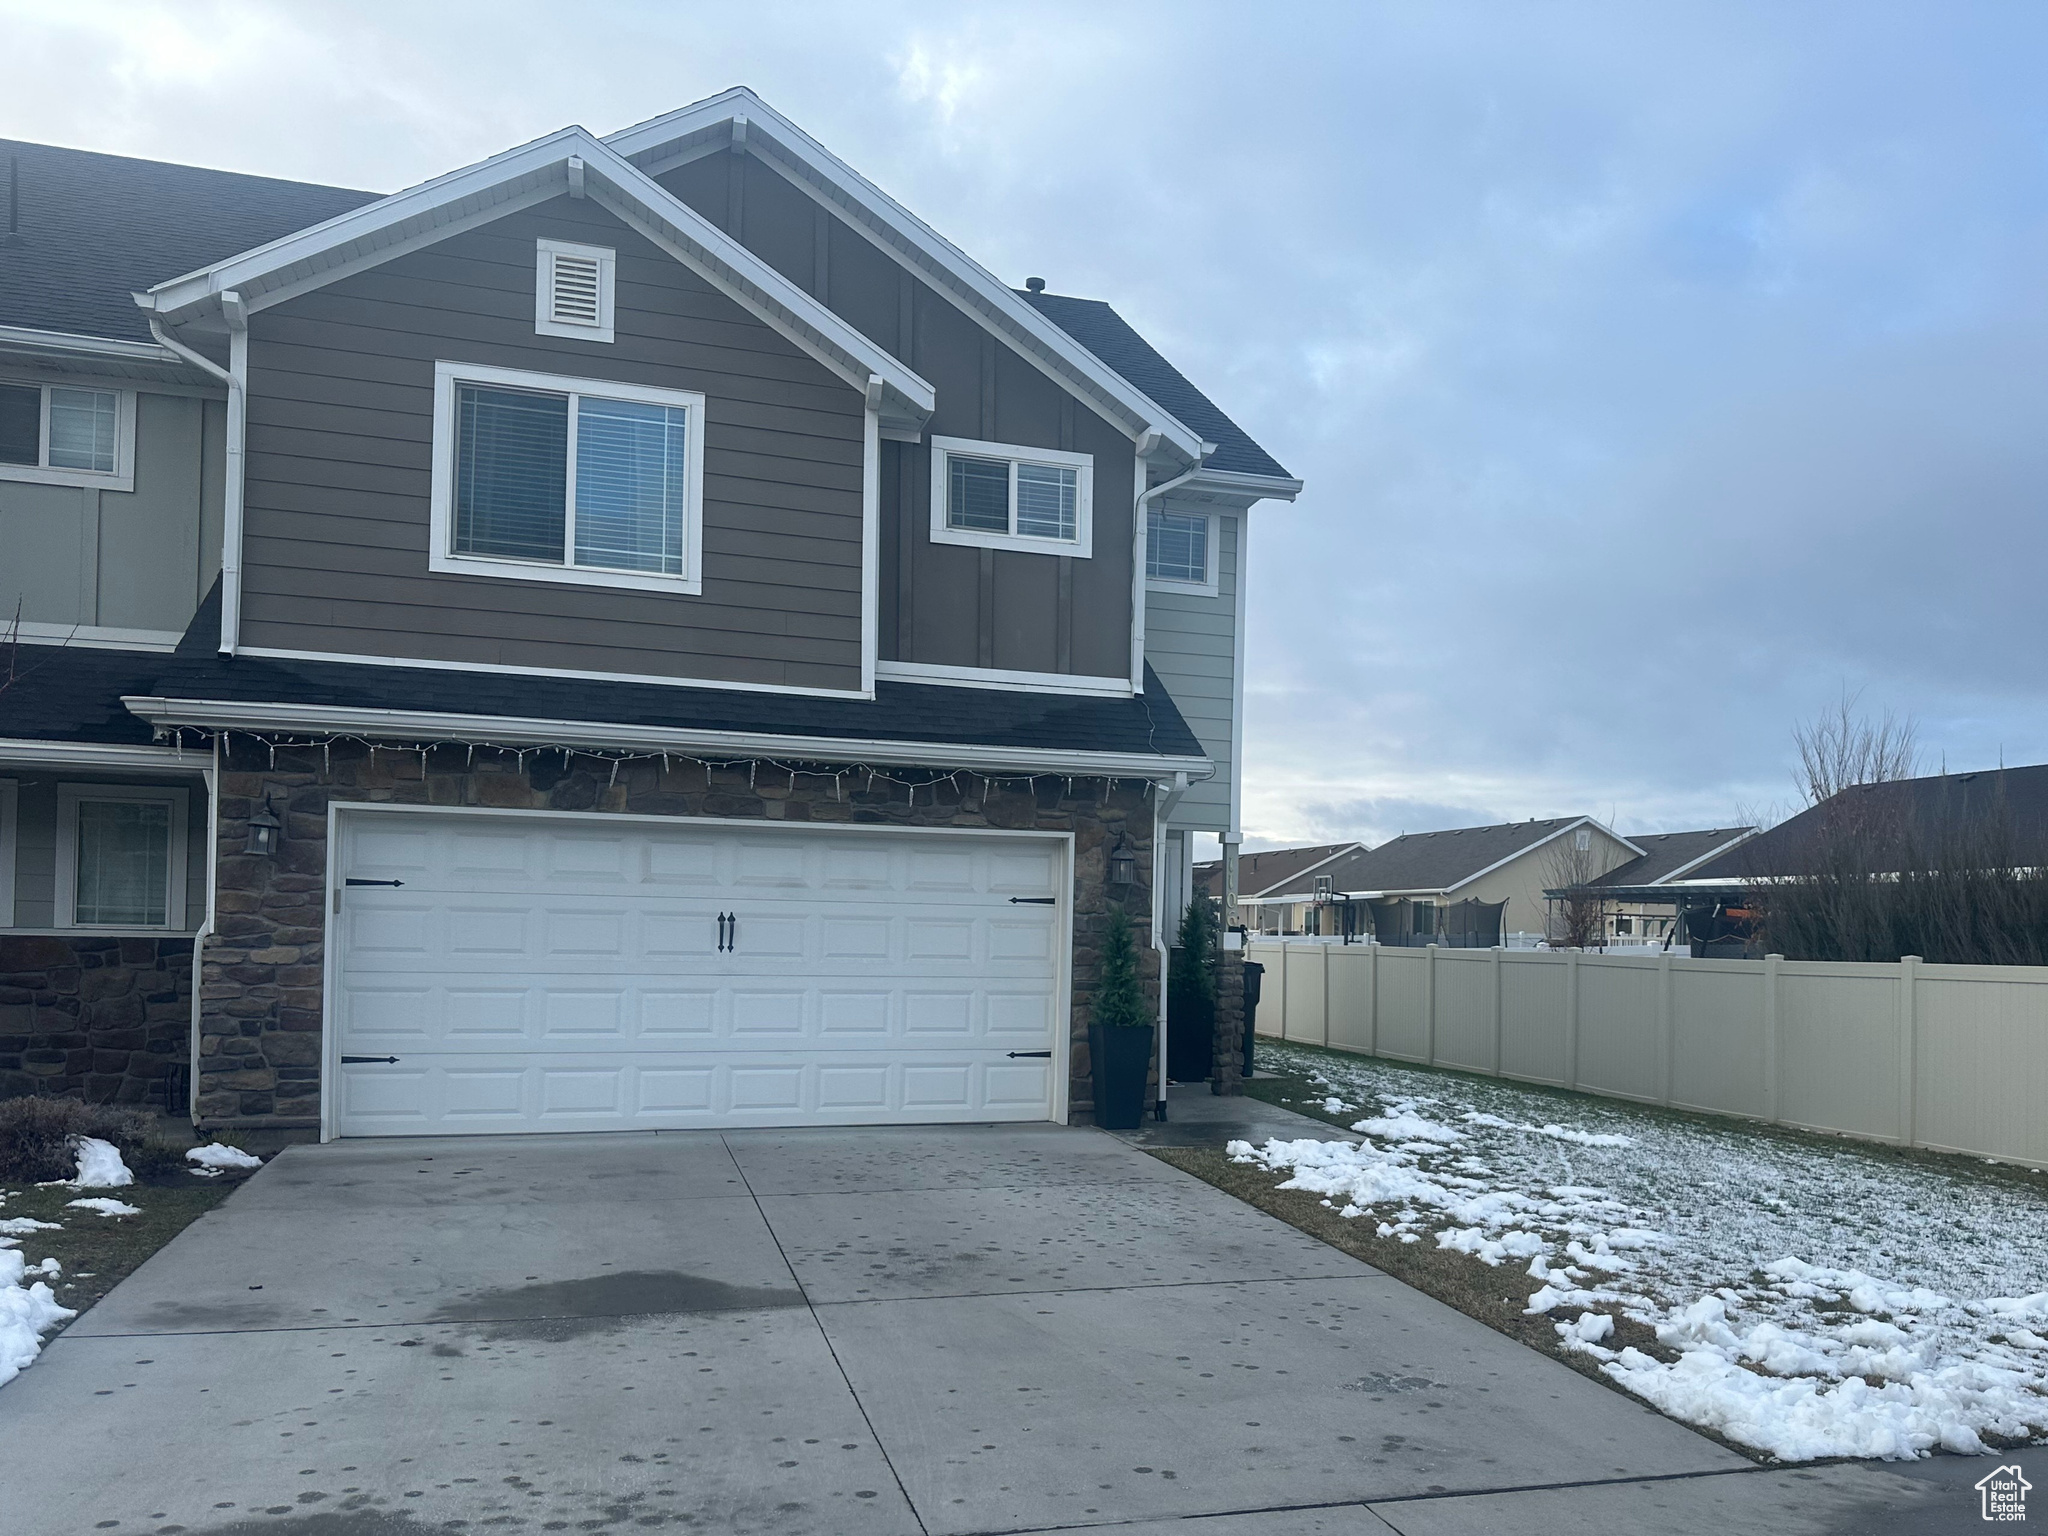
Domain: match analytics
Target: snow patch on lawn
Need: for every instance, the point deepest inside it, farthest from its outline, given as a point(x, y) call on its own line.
point(21, 1226)
point(217, 1155)
point(106, 1205)
point(27, 1312)
point(99, 1166)
point(1814, 1302)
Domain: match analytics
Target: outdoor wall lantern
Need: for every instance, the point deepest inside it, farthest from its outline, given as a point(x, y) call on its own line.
point(264, 830)
point(1123, 864)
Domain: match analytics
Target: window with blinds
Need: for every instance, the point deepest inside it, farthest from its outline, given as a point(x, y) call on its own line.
point(989, 494)
point(574, 287)
point(1177, 547)
point(62, 433)
point(590, 481)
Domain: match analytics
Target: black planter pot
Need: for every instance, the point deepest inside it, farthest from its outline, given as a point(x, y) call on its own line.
point(1123, 1065)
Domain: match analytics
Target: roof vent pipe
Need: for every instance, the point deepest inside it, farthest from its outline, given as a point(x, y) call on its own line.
point(1034, 285)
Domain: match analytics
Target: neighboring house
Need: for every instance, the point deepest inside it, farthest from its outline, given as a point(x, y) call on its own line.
point(636, 632)
point(1631, 909)
point(1464, 886)
point(1260, 874)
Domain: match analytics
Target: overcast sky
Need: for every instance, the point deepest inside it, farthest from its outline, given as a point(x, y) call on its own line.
point(1657, 371)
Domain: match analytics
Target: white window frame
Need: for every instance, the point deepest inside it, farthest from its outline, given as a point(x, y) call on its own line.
point(544, 323)
point(120, 478)
point(441, 555)
point(1080, 547)
point(1210, 585)
point(69, 798)
point(10, 821)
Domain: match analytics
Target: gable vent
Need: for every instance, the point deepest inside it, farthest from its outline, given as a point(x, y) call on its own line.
point(573, 291)
point(574, 298)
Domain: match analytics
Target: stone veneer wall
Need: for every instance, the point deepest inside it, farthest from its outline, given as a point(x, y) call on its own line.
point(92, 1016)
point(1226, 1073)
point(260, 984)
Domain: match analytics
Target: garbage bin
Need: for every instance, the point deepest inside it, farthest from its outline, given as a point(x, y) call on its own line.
point(1252, 972)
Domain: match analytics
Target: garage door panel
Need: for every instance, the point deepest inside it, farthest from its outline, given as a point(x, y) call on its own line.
point(533, 975)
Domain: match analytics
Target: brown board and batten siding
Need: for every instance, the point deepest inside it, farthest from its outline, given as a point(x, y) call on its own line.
point(942, 603)
point(340, 464)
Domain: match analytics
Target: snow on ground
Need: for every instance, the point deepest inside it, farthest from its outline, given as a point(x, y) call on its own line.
point(100, 1165)
point(1821, 1302)
point(215, 1156)
point(28, 1308)
point(106, 1205)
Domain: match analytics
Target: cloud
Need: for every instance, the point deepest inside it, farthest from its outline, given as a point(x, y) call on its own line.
point(1655, 371)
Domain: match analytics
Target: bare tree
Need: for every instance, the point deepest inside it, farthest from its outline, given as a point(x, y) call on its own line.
point(1578, 919)
point(1842, 748)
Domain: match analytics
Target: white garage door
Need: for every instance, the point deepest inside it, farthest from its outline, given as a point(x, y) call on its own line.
point(543, 974)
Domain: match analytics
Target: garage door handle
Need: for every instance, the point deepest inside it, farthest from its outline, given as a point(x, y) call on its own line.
point(728, 931)
point(352, 880)
point(1032, 901)
point(350, 1061)
point(1015, 1054)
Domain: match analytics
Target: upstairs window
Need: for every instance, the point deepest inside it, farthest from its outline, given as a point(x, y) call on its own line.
point(993, 495)
point(1180, 550)
point(62, 435)
point(542, 478)
point(574, 286)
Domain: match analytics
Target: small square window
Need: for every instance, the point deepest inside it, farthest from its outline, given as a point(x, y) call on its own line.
point(120, 857)
point(62, 435)
point(1177, 547)
point(995, 496)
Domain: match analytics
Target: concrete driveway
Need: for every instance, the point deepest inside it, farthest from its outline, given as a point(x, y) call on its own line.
point(971, 1329)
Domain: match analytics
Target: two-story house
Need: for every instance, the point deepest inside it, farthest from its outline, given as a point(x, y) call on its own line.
point(638, 632)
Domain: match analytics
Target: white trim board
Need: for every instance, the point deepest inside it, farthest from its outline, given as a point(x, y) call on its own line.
point(352, 658)
point(536, 172)
point(1007, 681)
point(1063, 978)
point(510, 731)
point(19, 752)
point(914, 245)
point(98, 637)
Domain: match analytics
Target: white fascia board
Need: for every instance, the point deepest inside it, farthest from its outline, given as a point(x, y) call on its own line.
point(1736, 841)
point(16, 752)
point(22, 338)
point(510, 731)
point(1231, 482)
point(1570, 826)
point(61, 354)
point(972, 287)
point(535, 173)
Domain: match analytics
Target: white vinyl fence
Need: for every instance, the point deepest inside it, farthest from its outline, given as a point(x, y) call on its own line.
point(1950, 1057)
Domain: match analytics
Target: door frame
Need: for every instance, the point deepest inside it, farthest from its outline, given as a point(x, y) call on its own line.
point(331, 888)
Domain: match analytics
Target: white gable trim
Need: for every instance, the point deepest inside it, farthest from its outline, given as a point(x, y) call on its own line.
point(677, 137)
point(1741, 837)
point(520, 178)
point(1268, 890)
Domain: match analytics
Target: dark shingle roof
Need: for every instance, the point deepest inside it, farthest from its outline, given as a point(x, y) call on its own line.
point(1664, 853)
point(1260, 872)
point(95, 229)
point(1998, 814)
point(1432, 861)
point(1105, 333)
point(73, 694)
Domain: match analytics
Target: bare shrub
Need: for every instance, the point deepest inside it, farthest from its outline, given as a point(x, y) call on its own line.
point(37, 1134)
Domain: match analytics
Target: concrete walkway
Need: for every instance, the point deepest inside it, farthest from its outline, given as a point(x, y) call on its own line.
point(908, 1331)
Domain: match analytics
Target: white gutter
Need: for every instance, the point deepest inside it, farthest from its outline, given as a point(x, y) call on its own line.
point(235, 376)
point(1147, 443)
point(21, 338)
point(24, 753)
point(510, 731)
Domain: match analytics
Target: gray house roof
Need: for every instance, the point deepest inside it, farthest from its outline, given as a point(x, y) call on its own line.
point(1259, 873)
point(1104, 332)
point(95, 229)
point(1668, 854)
point(1997, 813)
point(1428, 861)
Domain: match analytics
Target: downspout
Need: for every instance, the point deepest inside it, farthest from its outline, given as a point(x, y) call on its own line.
point(235, 376)
point(204, 931)
point(1163, 803)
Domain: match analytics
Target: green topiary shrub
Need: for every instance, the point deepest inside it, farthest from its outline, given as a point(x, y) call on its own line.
point(1119, 994)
